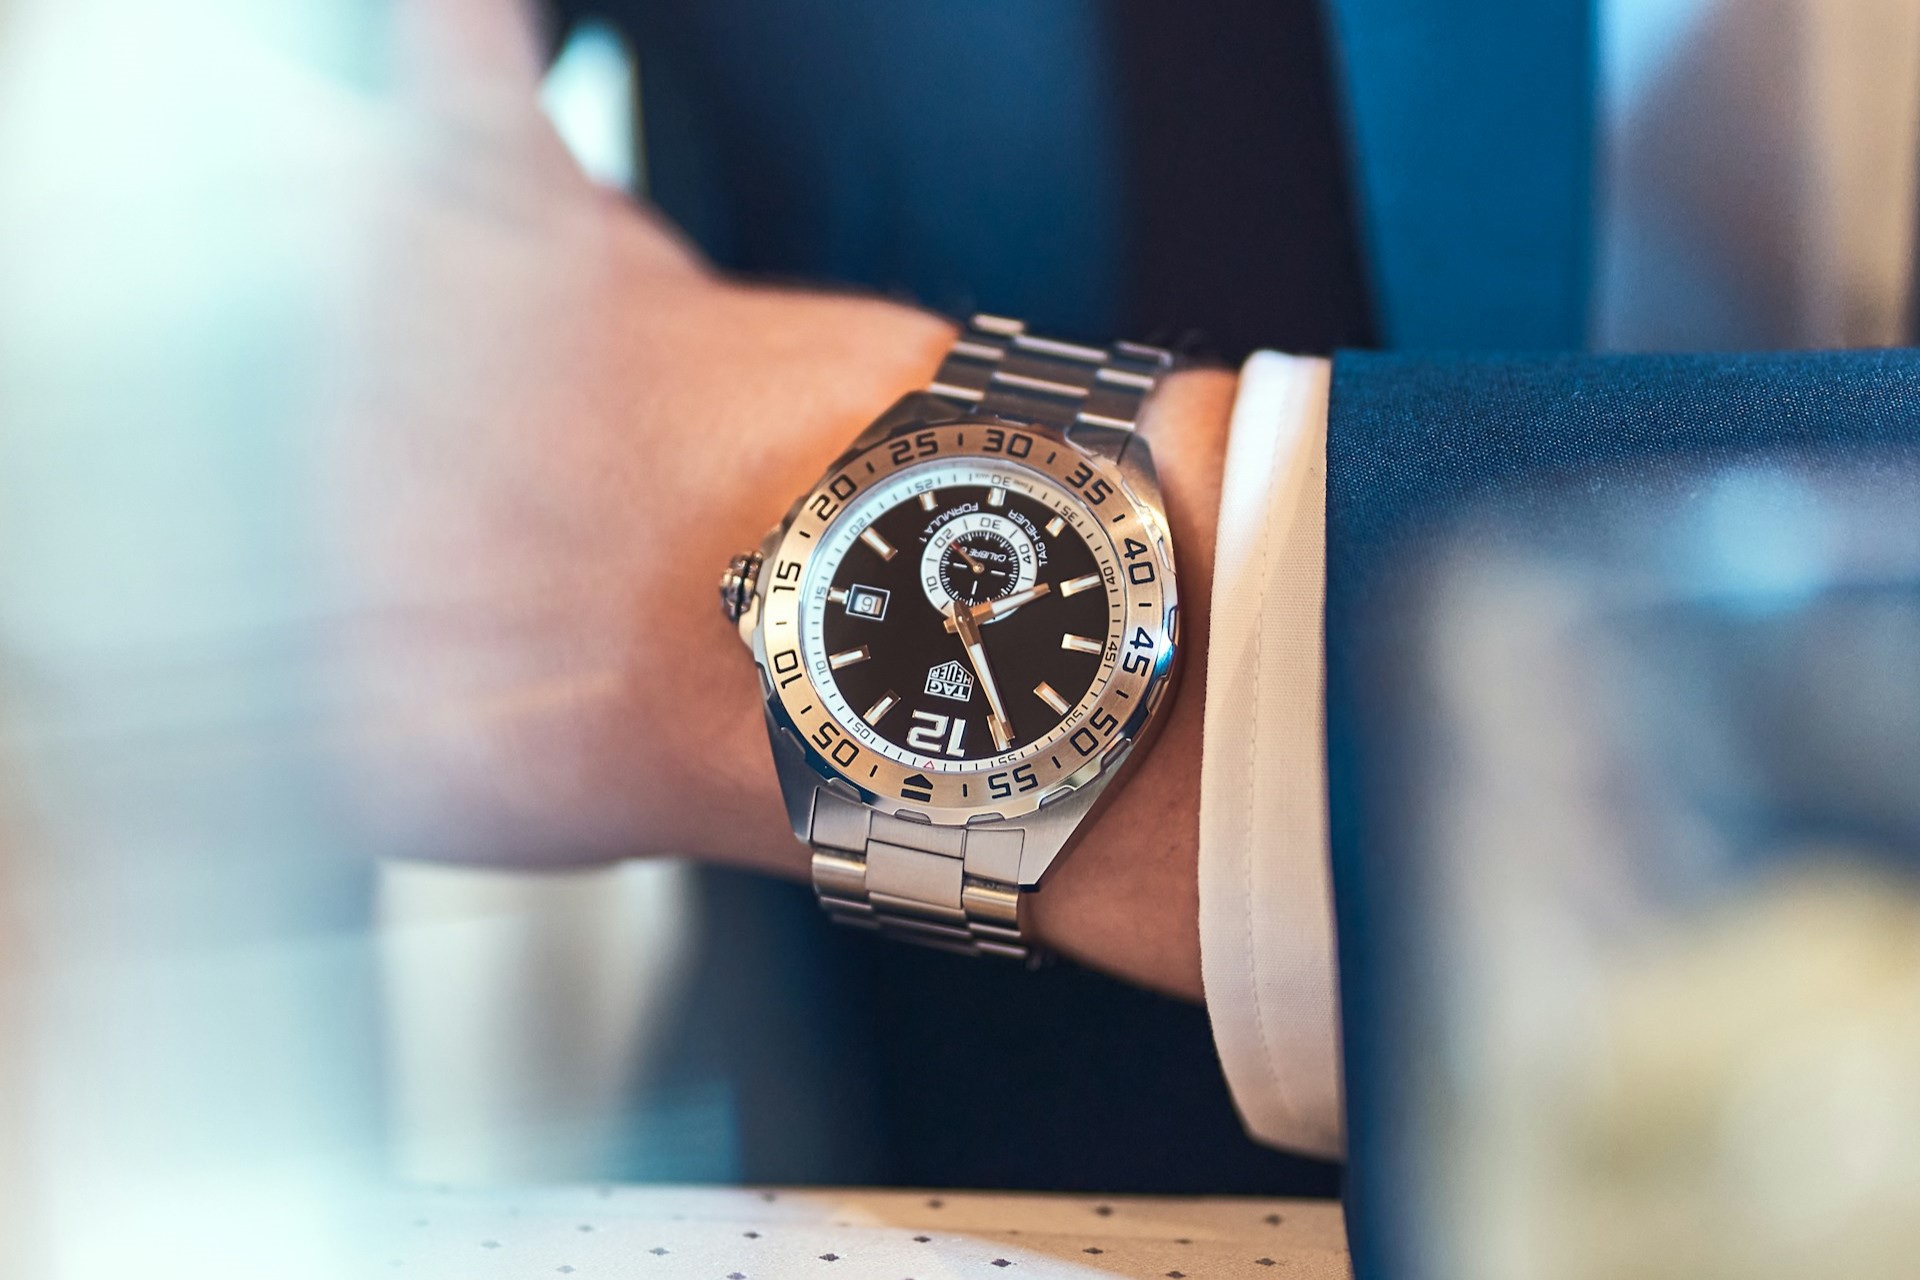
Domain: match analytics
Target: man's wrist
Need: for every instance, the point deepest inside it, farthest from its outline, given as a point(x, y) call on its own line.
point(1126, 898)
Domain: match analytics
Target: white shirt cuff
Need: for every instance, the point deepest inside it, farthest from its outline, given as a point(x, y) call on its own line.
point(1266, 896)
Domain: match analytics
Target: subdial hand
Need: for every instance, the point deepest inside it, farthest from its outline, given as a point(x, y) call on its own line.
point(973, 564)
point(991, 609)
point(963, 625)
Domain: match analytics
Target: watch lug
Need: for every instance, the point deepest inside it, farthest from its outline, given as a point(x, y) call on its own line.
point(1108, 443)
point(798, 781)
point(1135, 464)
point(1049, 831)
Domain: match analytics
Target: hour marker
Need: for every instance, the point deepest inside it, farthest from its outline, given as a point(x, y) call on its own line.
point(847, 657)
point(836, 595)
point(1078, 585)
point(926, 501)
point(873, 539)
point(996, 497)
point(1080, 644)
point(1045, 692)
point(1055, 525)
point(873, 713)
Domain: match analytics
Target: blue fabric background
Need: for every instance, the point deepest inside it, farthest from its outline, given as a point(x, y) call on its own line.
point(1471, 130)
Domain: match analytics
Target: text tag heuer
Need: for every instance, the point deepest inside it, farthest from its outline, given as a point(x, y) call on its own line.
point(950, 680)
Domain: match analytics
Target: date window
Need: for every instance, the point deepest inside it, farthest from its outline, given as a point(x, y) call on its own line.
point(867, 602)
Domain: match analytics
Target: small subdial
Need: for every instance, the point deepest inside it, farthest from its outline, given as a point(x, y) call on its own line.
point(976, 558)
point(977, 567)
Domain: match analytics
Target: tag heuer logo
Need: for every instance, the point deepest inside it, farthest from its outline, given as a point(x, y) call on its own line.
point(950, 680)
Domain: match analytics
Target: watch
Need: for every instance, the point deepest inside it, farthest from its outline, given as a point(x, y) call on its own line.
point(964, 632)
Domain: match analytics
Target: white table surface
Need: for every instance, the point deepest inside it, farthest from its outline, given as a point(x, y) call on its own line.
point(670, 1233)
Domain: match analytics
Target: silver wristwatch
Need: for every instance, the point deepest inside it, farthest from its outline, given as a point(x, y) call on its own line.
point(964, 631)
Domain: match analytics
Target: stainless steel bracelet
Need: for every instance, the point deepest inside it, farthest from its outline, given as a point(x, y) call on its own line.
point(958, 888)
point(997, 367)
point(954, 888)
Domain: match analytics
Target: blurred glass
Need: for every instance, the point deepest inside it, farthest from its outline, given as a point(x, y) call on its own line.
point(1666, 883)
point(186, 997)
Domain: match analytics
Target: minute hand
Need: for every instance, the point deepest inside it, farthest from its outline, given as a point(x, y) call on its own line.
point(969, 632)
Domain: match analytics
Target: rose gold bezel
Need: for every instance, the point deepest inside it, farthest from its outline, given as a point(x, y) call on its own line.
point(1132, 679)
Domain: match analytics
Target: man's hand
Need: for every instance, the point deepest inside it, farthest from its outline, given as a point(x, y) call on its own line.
point(564, 424)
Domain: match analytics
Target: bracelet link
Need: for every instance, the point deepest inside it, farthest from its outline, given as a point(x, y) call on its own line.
point(996, 367)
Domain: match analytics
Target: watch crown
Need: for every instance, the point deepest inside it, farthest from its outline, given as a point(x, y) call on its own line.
point(736, 584)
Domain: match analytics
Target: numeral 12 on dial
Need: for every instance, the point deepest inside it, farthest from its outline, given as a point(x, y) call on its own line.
point(929, 728)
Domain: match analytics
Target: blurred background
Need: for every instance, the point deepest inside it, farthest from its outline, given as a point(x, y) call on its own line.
point(1658, 909)
point(1678, 756)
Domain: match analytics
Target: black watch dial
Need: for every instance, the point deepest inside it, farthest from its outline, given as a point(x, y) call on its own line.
point(967, 548)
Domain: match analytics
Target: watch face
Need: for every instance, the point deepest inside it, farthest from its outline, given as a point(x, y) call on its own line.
point(882, 637)
point(968, 627)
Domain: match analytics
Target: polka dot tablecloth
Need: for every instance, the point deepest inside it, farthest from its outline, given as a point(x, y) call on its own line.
point(684, 1233)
